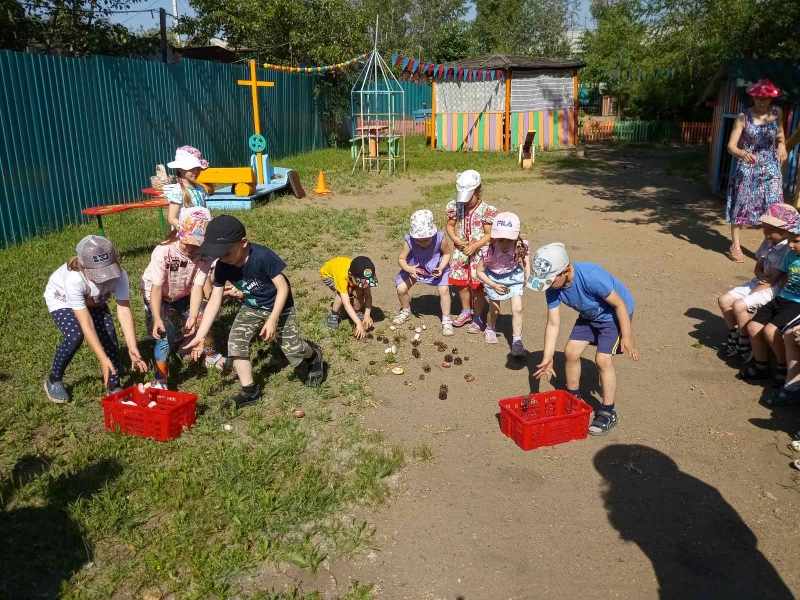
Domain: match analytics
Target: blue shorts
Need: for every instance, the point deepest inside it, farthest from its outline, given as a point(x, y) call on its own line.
point(603, 334)
point(513, 281)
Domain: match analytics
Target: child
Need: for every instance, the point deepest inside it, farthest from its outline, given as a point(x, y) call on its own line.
point(739, 304)
point(267, 310)
point(351, 280)
point(424, 258)
point(775, 319)
point(187, 192)
point(504, 269)
point(605, 308)
point(469, 222)
point(77, 295)
point(172, 285)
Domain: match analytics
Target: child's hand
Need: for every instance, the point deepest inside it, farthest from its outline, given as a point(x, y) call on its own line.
point(459, 243)
point(197, 353)
point(190, 326)
point(136, 360)
point(500, 289)
point(360, 331)
point(437, 272)
point(412, 271)
point(107, 369)
point(544, 370)
point(195, 346)
point(367, 322)
point(159, 331)
point(628, 347)
point(269, 330)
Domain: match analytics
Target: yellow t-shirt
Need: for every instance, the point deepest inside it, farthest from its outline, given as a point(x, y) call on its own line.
point(338, 269)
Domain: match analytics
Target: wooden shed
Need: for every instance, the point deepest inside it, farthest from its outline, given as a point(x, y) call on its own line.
point(534, 94)
point(727, 93)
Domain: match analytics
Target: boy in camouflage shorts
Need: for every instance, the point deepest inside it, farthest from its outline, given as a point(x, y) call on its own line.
point(267, 310)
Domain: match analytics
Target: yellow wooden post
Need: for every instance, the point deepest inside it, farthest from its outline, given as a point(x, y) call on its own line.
point(254, 84)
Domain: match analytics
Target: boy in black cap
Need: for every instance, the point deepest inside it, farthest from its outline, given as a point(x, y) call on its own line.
point(350, 279)
point(267, 309)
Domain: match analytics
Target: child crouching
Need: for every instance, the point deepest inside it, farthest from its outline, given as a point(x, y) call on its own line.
point(350, 280)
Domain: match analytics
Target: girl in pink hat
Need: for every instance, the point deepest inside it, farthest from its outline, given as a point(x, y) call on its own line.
point(503, 270)
point(759, 144)
point(187, 192)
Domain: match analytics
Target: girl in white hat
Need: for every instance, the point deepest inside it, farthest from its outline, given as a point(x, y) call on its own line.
point(187, 192)
point(469, 226)
point(424, 259)
point(505, 267)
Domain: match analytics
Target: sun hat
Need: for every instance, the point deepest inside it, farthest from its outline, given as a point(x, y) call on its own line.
point(422, 225)
point(362, 268)
point(506, 226)
point(781, 215)
point(466, 183)
point(188, 158)
point(192, 225)
point(548, 263)
point(221, 234)
point(763, 88)
point(98, 258)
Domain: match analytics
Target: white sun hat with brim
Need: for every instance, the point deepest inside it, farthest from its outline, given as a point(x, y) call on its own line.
point(548, 263)
point(422, 225)
point(466, 183)
point(186, 161)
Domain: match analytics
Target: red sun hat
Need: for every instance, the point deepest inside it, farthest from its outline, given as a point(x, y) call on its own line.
point(764, 88)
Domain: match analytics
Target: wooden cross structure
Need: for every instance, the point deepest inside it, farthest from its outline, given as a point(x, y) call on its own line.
point(253, 83)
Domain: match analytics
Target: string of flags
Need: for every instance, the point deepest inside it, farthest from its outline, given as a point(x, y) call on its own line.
point(447, 72)
point(318, 69)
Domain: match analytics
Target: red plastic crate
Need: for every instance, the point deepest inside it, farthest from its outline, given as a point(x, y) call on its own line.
point(550, 418)
point(174, 412)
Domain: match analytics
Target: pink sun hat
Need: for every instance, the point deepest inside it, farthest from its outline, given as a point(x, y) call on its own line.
point(783, 216)
point(763, 88)
point(505, 225)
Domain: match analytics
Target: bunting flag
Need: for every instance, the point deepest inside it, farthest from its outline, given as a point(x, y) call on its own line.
point(319, 69)
point(452, 72)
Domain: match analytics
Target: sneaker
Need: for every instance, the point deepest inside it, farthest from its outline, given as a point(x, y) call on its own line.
point(215, 360)
point(56, 392)
point(246, 397)
point(333, 320)
point(463, 318)
point(316, 367)
point(489, 334)
point(401, 317)
point(603, 422)
point(518, 349)
point(476, 326)
point(158, 385)
point(447, 328)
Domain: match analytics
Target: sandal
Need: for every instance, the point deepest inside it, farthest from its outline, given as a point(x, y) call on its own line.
point(753, 372)
point(603, 422)
point(784, 397)
point(735, 254)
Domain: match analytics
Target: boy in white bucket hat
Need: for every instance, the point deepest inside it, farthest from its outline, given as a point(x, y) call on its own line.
point(605, 308)
point(504, 269)
point(187, 192)
point(424, 258)
point(469, 226)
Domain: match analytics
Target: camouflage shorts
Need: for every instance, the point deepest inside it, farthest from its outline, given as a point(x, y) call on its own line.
point(248, 323)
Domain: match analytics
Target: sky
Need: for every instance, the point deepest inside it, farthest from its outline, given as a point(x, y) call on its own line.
point(136, 21)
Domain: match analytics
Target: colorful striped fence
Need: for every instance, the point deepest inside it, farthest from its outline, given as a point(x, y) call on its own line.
point(554, 128)
point(469, 131)
point(639, 132)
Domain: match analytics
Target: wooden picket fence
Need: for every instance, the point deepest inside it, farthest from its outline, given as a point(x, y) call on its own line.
point(639, 132)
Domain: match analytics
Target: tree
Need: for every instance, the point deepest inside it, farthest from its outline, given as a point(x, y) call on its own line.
point(546, 23)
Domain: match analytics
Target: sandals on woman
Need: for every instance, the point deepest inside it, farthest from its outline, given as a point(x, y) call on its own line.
point(735, 254)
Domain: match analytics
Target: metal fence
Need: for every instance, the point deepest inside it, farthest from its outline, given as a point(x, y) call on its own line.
point(79, 132)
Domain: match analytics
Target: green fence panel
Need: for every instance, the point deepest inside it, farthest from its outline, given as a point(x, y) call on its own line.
point(80, 132)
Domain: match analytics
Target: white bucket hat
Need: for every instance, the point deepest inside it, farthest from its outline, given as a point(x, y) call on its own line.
point(188, 158)
point(422, 225)
point(548, 263)
point(466, 184)
point(506, 225)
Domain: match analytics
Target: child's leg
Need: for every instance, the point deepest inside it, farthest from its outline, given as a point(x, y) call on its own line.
point(741, 313)
point(71, 340)
point(104, 325)
point(293, 346)
point(465, 296)
point(491, 317)
point(726, 302)
point(478, 301)
point(246, 325)
point(792, 358)
point(775, 340)
point(516, 317)
point(572, 366)
point(404, 294)
point(608, 378)
point(757, 341)
point(444, 302)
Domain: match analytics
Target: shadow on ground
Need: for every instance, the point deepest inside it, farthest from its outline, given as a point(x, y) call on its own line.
point(698, 544)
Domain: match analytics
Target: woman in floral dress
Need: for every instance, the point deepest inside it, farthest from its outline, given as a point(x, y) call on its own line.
point(758, 141)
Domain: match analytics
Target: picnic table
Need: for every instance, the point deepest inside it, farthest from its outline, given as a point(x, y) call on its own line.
point(373, 134)
point(158, 201)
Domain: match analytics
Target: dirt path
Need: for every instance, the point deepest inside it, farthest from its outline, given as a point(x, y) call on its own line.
point(691, 496)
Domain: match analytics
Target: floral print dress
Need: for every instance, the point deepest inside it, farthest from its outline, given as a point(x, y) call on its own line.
point(463, 268)
point(753, 188)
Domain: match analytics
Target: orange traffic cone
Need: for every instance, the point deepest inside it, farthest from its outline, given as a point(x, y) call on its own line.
point(322, 187)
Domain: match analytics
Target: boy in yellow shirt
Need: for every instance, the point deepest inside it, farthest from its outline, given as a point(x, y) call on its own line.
point(350, 279)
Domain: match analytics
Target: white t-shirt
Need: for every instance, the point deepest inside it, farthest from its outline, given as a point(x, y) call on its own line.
point(771, 257)
point(71, 289)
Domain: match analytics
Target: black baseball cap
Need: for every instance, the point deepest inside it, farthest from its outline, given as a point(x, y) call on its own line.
point(363, 268)
point(222, 233)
